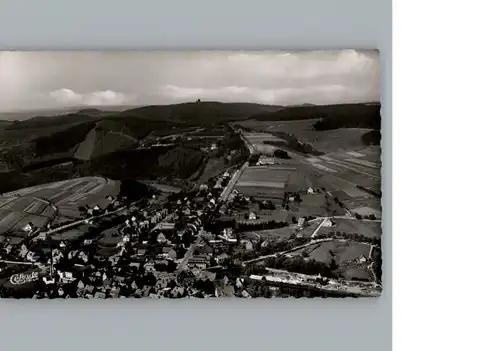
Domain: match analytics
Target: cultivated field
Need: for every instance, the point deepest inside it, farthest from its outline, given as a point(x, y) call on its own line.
point(325, 141)
point(272, 234)
point(352, 226)
point(100, 142)
point(311, 205)
point(343, 251)
point(346, 166)
point(41, 204)
point(263, 182)
point(85, 150)
point(258, 141)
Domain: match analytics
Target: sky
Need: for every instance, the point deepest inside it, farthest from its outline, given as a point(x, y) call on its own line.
point(36, 80)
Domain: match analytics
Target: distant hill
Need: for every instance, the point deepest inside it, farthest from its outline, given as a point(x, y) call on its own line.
point(332, 116)
point(192, 113)
point(301, 105)
point(198, 112)
point(23, 115)
point(43, 121)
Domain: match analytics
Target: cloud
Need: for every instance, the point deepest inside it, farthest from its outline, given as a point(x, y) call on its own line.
point(68, 97)
point(107, 97)
point(53, 79)
point(311, 94)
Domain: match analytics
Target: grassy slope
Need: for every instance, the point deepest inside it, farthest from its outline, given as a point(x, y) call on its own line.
point(199, 113)
point(332, 116)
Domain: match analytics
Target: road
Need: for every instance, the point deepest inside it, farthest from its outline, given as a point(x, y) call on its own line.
point(236, 177)
point(223, 198)
point(319, 227)
point(81, 221)
point(249, 145)
point(189, 253)
point(232, 183)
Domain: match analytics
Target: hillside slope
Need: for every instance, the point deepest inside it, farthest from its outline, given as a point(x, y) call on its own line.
point(199, 112)
point(332, 116)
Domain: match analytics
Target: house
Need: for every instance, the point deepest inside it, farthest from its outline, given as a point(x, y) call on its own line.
point(66, 277)
point(301, 222)
point(100, 295)
point(252, 216)
point(141, 252)
point(362, 259)
point(206, 275)
point(199, 261)
point(226, 290)
point(245, 294)
point(90, 289)
point(31, 256)
point(29, 227)
point(161, 238)
point(135, 264)
point(310, 190)
point(327, 223)
point(23, 251)
point(149, 266)
point(220, 258)
point(248, 245)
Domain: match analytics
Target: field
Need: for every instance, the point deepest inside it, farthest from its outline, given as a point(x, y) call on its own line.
point(311, 205)
point(343, 251)
point(38, 204)
point(162, 187)
point(278, 215)
point(86, 147)
point(345, 254)
point(258, 141)
point(325, 141)
point(366, 228)
point(346, 167)
point(214, 167)
point(264, 182)
point(99, 142)
point(71, 234)
point(272, 234)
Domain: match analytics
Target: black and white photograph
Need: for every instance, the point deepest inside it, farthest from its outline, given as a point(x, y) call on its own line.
point(202, 174)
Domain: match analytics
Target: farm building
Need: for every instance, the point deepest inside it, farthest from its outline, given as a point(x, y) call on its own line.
point(275, 195)
point(265, 161)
